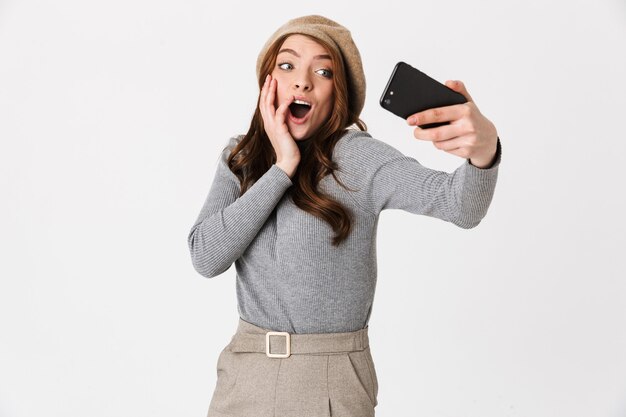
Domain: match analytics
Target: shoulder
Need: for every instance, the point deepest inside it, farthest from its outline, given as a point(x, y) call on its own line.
point(232, 142)
point(228, 146)
point(360, 157)
point(359, 148)
point(222, 159)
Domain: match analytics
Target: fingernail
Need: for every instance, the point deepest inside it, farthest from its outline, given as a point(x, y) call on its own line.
point(411, 120)
point(267, 77)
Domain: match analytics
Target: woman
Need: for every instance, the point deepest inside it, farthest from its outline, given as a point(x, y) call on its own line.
point(295, 205)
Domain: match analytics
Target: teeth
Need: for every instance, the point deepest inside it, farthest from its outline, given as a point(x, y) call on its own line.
point(302, 102)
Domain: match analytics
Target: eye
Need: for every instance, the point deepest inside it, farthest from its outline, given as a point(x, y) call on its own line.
point(328, 73)
point(284, 63)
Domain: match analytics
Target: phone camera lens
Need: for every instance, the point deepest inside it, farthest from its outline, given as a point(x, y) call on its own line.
point(387, 101)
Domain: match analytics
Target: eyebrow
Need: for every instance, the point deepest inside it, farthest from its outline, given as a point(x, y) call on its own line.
point(291, 51)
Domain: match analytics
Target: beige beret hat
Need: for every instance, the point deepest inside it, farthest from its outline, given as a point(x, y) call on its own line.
point(338, 37)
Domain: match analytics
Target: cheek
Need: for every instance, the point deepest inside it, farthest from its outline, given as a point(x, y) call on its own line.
point(329, 96)
point(328, 103)
point(277, 75)
point(280, 82)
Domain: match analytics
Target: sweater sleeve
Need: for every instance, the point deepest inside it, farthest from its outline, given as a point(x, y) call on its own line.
point(228, 222)
point(461, 197)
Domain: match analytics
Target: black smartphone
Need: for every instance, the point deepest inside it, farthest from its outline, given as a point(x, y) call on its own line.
point(410, 91)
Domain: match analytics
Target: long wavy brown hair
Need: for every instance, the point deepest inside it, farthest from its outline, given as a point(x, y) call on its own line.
point(254, 154)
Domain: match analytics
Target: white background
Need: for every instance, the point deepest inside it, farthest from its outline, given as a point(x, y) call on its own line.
point(113, 114)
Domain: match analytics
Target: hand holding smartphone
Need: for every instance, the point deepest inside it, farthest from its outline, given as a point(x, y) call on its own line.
point(410, 91)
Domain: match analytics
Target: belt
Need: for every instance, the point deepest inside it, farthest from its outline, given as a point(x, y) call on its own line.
point(284, 344)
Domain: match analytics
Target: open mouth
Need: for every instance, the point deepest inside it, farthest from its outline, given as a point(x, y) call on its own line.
point(299, 109)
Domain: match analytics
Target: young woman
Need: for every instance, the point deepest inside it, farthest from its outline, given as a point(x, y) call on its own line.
point(295, 204)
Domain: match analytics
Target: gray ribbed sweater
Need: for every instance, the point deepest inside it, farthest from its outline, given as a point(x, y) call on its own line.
point(289, 276)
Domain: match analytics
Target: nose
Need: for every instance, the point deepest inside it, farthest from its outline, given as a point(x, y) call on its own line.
point(302, 81)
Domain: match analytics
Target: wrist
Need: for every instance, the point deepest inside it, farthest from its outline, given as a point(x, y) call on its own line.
point(486, 162)
point(288, 167)
point(482, 164)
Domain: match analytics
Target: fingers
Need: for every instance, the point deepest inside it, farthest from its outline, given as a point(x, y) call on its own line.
point(439, 114)
point(266, 103)
point(439, 134)
point(263, 98)
point(281, 111)
point(265, 93)
point(452, 145)
point(271, 94)
point(274, 119)
point(467, 129)
point(459, 146)
point(459, 87)
point(268, 96)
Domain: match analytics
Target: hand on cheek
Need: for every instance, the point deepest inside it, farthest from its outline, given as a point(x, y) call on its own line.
point(274, 121)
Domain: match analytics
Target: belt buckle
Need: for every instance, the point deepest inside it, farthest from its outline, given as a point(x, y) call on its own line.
point(287, 345)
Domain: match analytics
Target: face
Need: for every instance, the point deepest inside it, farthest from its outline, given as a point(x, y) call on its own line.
point(304, 69)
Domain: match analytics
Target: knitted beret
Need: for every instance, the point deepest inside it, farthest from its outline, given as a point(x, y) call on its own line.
point(337, 37)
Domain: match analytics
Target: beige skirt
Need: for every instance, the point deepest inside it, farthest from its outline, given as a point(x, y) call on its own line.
point(261, 373)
